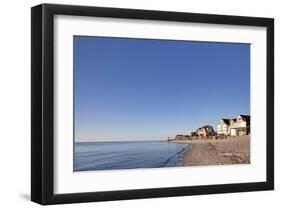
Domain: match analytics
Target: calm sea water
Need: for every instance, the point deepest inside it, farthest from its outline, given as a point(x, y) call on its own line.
point(126, 155)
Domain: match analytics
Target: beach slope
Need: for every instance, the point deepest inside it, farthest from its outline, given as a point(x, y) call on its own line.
point(233, 150)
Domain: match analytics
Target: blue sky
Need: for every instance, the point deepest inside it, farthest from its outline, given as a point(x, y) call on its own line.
point(137, 89)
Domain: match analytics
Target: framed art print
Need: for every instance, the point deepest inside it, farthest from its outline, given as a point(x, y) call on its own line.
point(131, 104)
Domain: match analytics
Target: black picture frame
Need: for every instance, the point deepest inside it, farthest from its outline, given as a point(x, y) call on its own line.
point(42, 103)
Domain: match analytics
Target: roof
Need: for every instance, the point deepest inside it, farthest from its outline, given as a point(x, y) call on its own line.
point(206, 126)
point(226, 121)
point(245, 116)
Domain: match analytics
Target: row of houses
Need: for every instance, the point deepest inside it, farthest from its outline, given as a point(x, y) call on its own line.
point(239, 126)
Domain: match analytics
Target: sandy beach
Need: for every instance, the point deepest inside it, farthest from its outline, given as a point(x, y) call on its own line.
point(233, 150)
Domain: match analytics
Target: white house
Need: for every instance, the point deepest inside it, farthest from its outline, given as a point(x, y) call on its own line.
point(235, 127)
point(223, 126)
point(241, 126)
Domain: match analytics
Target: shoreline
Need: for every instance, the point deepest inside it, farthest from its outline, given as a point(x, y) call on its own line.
point(233, 150)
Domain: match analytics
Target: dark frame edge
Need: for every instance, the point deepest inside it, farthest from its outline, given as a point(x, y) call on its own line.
point(36, 104)
point(270, 103)
point(42, 153)
point(141, 14)
point(158, 193)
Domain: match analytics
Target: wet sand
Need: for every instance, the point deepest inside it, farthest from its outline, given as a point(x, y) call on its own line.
point(233, 150)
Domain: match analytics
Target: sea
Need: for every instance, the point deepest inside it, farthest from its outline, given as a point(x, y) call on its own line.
point(115, 155)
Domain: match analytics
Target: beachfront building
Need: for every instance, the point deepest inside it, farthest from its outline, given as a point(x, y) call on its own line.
point(205, 131)
point(232, 121)
point(235, 127)
point(180, 137)
point(223, 126)
point(187, 137)
point(194, 135)
point(241, 126)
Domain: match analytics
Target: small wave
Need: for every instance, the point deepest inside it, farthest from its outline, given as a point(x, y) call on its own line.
point(179, 154)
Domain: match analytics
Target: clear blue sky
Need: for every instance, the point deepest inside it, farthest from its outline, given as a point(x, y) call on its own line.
point(137, 89)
